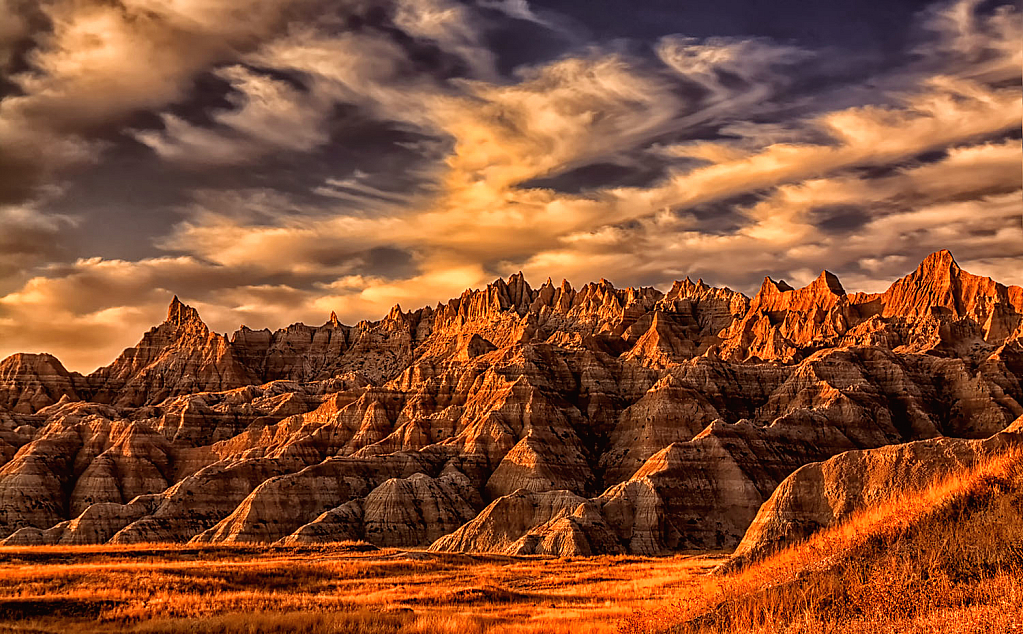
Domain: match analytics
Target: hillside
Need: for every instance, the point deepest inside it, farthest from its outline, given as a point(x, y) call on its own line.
point(944, 556)
point(510, 420)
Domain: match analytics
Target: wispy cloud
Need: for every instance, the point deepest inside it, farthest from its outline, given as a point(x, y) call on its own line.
point(754, 178)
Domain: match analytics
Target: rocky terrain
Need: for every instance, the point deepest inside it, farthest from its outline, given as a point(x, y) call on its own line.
point(822, 494)
point(518, 420)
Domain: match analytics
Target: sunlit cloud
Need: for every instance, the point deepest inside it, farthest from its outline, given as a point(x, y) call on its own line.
point(748, 179)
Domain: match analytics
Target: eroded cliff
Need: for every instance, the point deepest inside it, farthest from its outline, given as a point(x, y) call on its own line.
point(550, 421)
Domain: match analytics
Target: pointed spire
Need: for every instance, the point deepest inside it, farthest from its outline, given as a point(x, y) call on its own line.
point(828, 280)
point(334, 320)
point(174, 308)
point(944, 256)
point(939, 262)
point(770, 286)
point(180, 314)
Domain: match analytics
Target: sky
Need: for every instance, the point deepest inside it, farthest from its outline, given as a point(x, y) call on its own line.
point(271, 161)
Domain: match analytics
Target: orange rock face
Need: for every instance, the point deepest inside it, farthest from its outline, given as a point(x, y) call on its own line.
point(510, 419)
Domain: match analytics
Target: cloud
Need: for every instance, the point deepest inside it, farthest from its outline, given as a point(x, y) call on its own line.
point(13, 29)
point(86, 312)
point(968, 201)
point(970, 42)
point(584, 109)
point(99, 62)
point(754, 181)
point(269, 115)
point(733, 72)
point(28, 238)
point(452, 26)
point(519, 9)
point(370, 69)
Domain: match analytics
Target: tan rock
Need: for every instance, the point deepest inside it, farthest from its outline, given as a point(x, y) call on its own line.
point(687, 409)
point(822, 494)
point(418, 510)
point(180, 356)
point(340, 524)
point(506, 520)
point(30, 382)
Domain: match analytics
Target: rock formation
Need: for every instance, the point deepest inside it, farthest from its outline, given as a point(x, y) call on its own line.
point(30, 382)
point(821, 494)
point(510, 419)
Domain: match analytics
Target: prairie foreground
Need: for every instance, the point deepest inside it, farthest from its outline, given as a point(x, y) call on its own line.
point(330, 588)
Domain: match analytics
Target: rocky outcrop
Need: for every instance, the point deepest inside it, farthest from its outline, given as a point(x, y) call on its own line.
point(180, 356)
point(30, 382)
point(506, 524)
point(97, 524)
point(298, 352)
point(550, 420)
point(821, 494)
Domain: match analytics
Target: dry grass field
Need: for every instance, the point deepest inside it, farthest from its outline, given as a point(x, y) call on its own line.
point(945, 560)
point(332, 589)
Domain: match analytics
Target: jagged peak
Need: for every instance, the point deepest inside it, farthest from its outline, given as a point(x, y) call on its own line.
point(830, 281)
point(519, 290)
point(771, 286)
point(937, 282)
point(938, 266)
point(181, 314)
point(942, 259)
point(334, 321)
point(396, 313)
point(498, 283)
point(689, 286)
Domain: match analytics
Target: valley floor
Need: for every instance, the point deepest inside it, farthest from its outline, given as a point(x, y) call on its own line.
point(329, 589)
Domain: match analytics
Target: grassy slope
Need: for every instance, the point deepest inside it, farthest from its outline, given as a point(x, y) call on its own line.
point(947, 559)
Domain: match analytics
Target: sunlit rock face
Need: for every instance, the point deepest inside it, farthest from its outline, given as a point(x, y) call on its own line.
point(821, 494)
point(553, 420)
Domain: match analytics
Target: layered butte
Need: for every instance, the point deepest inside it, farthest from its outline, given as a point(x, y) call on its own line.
point(513, 419)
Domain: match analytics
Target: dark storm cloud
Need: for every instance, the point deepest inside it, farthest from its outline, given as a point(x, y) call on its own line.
point(840, 218)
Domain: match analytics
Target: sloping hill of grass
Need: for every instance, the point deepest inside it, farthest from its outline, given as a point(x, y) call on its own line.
point(945, 559)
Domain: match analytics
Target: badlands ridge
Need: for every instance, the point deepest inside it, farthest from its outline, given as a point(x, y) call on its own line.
point(523, 421)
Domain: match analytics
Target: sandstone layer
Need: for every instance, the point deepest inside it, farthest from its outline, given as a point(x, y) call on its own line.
point(512, 419)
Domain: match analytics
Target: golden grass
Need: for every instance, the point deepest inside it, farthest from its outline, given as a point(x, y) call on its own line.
point(948, 559)
point(332, 588)
point(945, 559)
